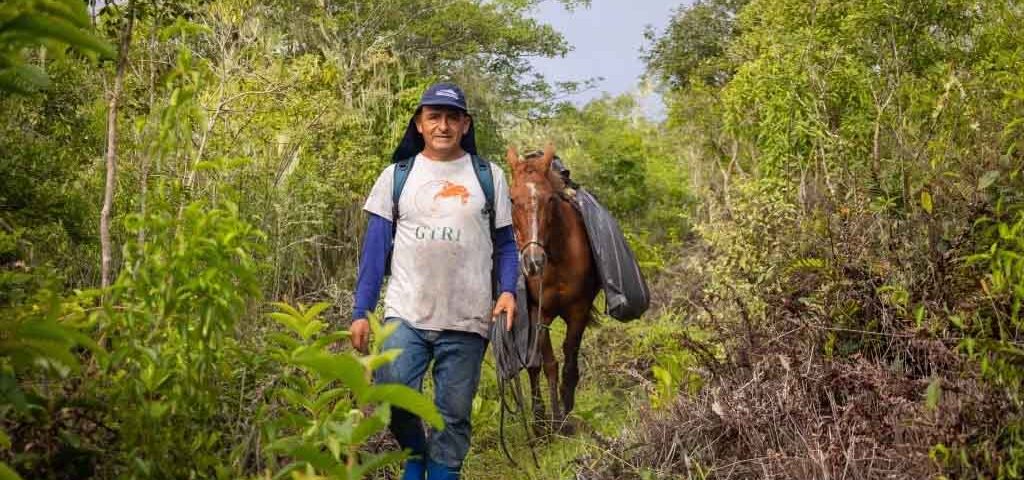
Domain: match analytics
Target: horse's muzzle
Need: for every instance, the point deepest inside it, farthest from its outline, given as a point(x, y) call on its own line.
point(533, 260)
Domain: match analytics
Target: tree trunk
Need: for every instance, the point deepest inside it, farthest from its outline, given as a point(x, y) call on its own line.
point(108, 191)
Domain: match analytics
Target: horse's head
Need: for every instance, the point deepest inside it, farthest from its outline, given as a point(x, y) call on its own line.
point(533, 206)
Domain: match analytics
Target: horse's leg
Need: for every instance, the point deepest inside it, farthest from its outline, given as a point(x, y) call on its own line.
point(550, 364)
point(576, 324)
point(536, 401)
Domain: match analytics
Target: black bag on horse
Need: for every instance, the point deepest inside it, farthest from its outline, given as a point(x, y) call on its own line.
point(625, 290)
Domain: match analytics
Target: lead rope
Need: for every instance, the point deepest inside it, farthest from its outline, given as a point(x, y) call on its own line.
point(504, 354)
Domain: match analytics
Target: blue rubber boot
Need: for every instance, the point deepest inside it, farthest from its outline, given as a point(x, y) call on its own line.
point(440, 471)
point(415, 469)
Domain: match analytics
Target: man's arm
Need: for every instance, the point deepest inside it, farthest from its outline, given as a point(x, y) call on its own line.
point(508, 273)
point(372, 262)
point(508, 259)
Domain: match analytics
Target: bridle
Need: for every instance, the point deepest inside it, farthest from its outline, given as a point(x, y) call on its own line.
point(538, 243)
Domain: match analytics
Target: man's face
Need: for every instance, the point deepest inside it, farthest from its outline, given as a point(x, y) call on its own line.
point(442, 129)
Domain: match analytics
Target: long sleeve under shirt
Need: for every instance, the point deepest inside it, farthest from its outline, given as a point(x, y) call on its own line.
point(377, 245)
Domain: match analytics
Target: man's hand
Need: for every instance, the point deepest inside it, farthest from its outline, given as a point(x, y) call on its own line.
point(506, 303)
point(359, 332)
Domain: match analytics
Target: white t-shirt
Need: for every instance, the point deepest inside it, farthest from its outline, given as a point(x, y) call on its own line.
point(441, 264)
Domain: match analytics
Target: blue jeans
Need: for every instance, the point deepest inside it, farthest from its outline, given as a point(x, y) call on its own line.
point(457, 357)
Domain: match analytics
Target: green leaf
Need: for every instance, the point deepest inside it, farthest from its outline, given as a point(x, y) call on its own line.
point(373, 362)
point(405, 398)
point(288, 309)
point(296, 399)
point(72, 11)
point(988, 179)
point(27, 352)
point(313, 312)
point(43, 26)
point(289, 321)
point(312, 327)
point(5, 441)
point(343, 430)
point(926, 201)
point(284, 341)
point(335, 447)
point(369, 426)
point(329, 396)
point(45, 331)
point(328, 339)
point(322, 462)
point(6, 473)
point(345, 368)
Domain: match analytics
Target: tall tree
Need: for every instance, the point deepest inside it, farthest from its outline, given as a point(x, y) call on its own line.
point(108, 191)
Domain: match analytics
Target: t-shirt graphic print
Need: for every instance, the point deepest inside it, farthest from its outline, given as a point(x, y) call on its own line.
point(441, 265)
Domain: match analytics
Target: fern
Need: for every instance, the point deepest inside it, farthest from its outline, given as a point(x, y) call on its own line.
point(807, 265)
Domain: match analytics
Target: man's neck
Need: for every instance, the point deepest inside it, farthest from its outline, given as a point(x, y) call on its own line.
point(443, 156)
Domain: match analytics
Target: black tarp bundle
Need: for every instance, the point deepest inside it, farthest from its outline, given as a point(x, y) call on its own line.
point(625, 290)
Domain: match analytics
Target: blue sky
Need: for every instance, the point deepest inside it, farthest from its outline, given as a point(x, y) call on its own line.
point(606, 38)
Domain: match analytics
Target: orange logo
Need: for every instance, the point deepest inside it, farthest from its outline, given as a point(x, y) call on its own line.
point(452, 190)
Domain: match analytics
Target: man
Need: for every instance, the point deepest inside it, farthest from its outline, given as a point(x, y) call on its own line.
point(440, 292)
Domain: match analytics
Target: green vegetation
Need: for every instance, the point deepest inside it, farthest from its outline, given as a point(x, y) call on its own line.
point(831, 217)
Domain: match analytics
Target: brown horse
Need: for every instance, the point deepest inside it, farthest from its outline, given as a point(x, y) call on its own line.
point(561, 275)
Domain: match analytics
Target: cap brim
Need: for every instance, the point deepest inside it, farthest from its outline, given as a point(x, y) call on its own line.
point(441, 102)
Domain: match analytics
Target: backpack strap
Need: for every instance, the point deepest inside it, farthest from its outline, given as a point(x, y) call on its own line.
point(486, 178)
point(402, 169)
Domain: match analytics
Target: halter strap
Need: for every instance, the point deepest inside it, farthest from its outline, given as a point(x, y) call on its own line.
point(533, 242)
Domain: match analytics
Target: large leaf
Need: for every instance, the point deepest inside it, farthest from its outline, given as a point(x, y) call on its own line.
point(313, 312)
point(288, 309)
point(72, 11)
point(44, 26)
point(373, 362)
point(284, 341)
point(296, 399)
point(329, 396)
point(405, 398)
point(344, 368)
point(290, 321)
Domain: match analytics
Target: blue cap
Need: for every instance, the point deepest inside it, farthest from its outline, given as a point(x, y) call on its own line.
point(444, 94)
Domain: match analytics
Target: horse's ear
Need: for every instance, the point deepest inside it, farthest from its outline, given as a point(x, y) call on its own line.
point(549, 155)
point(512, 156)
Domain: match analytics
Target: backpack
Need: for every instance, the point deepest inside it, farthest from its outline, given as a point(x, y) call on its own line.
point(482, 168)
